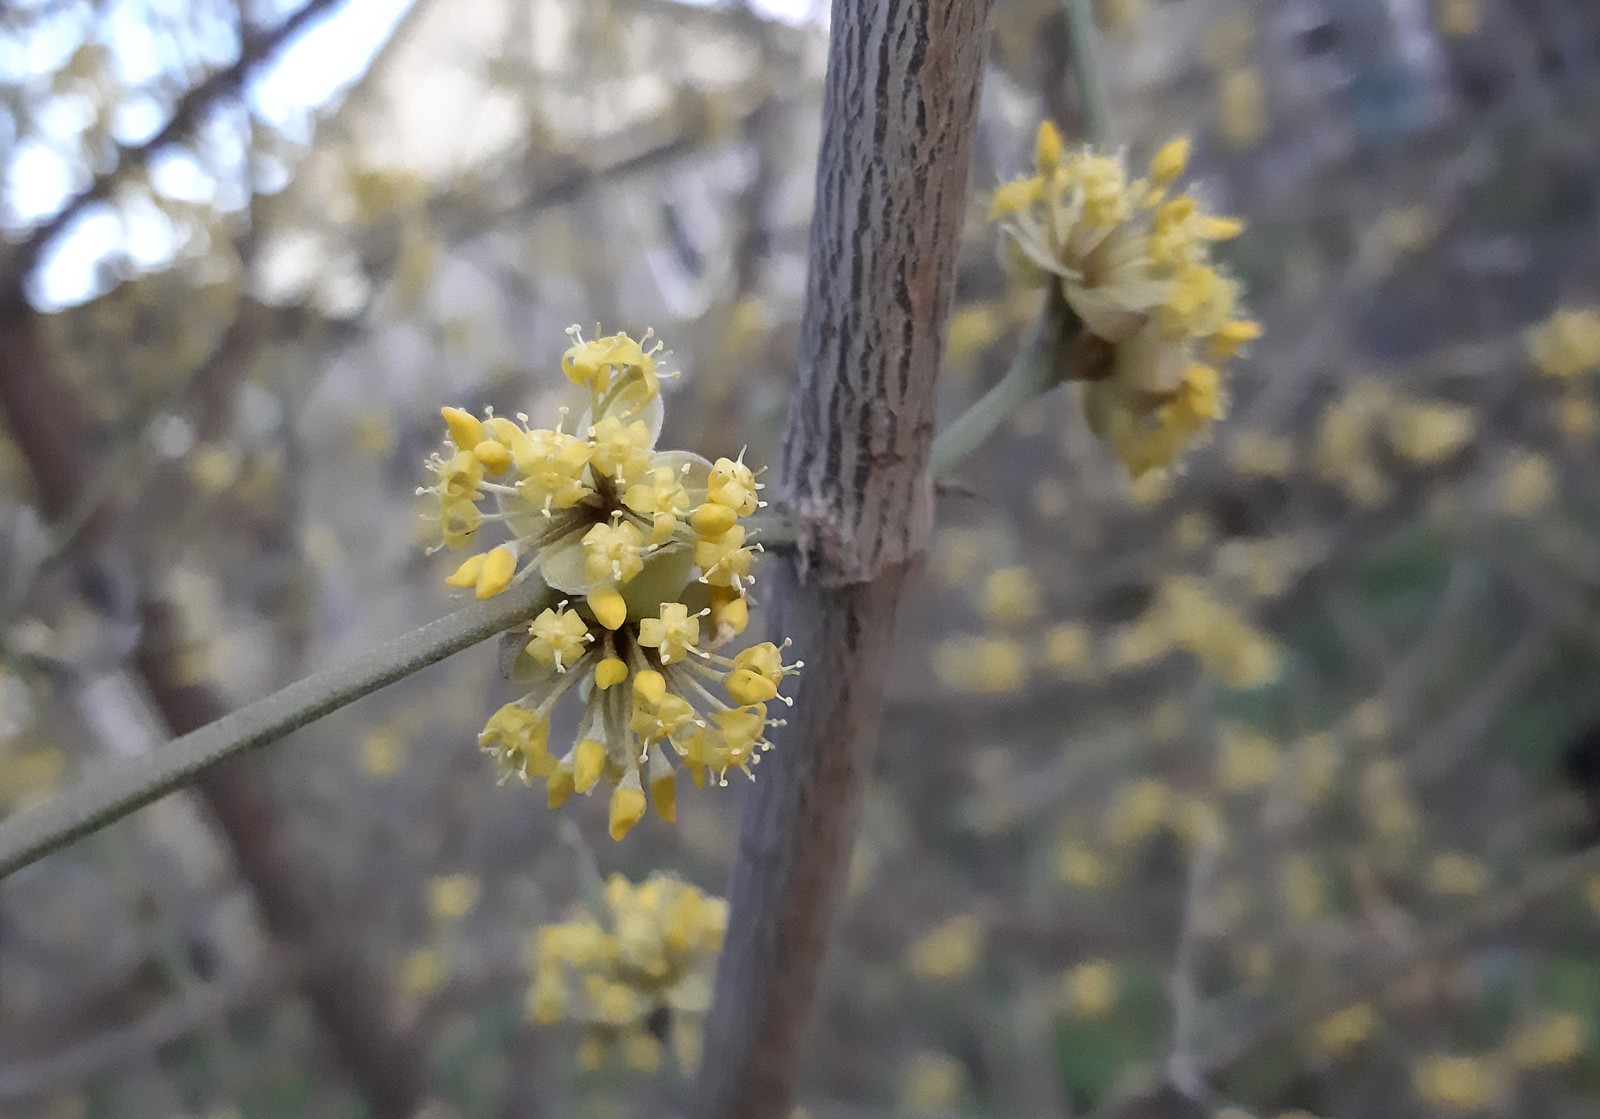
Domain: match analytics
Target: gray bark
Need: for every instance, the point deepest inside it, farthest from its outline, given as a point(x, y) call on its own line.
point(899, 113)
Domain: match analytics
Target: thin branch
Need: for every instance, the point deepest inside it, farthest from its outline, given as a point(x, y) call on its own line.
point(1086, 72)
point(187, 114)
point(1033, 372)
point(116, 789)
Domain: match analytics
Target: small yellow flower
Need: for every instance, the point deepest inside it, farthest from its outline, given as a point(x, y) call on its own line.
point(1242, 106)
point(1246, 760)
point(949, 951)
point(1458, 19)
point(1567, 343)
point(1551, 1041)
point(559, 638)
point(1526, 484)
point(452, 896)
point(1459, 1083)
point(1090, 988)
point(1010, 596)
point(673, 634)
point(982, 665)
point(1456, 875)
point(1079, 866)
point(1346, 1029)
point(1134, 265)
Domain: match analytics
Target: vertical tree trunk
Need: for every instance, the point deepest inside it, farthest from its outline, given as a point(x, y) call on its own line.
point(898, 117)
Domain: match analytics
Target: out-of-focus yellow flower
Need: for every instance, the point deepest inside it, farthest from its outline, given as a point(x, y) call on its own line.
point(1079, 866)
point(1242, 107)
point(1246, 759)
point(1140, 809)
point(452, 896)
point(422, 973)
point(1459, 1083)
point(1454, 874)
point(1567, 343)
point(382, 751)
point(1346, 1029)
point(973, 328)
point(1010, 596)
point(1068, 650)
point(981, 665)
point(1578, 418)
point(1458, 19)
point(1526, 484)
point(1133, 262)
point(652, 954)
point(931, 1083)
point(213, 467)
point(948, 951)
point(1429, 433)
point(1186, 614)
point(1090, 988)
point(1553, 1040)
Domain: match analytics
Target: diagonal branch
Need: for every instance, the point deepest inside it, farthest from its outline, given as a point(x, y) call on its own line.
point(117, 788)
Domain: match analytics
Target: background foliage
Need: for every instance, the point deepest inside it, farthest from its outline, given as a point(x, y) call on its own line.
point(1171, 768)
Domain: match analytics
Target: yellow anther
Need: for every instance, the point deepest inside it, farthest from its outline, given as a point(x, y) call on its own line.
point(590, 759)
point(1170, 160)
point(627, 806)
point(664, 796)
point(467, 574)
point(495, 574)
point(609, 608)
point(610, 672)
point(649, 685)
point(466, 430)
point(1047, 148)
point(495, 456)
point(558, 787)
point(711, 520)
point(748, 687)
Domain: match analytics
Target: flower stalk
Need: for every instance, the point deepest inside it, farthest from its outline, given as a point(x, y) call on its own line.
point(1039, 366)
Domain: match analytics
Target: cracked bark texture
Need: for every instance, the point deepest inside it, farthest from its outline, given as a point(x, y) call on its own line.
point(899, 112)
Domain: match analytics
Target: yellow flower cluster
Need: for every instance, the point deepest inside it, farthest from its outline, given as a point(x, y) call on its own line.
point(636, 974)
point(644, 546)
point(1133, 262)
